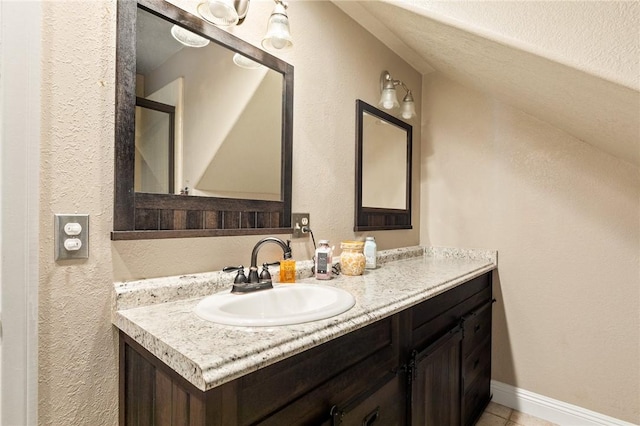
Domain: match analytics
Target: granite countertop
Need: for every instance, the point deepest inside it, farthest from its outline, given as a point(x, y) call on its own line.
point(158, 313)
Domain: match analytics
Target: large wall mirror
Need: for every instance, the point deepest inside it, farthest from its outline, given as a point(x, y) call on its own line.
point(203, 131)
point(383, 170)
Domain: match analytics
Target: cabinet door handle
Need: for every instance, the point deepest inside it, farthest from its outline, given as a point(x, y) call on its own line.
point(476, 328)
point(475, 364)
point(371, 418)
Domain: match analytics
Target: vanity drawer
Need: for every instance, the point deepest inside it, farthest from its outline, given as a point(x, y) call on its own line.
point(435, 307)
point(427, 332)
point(476, 363)
point(321, 372)
point(363, 380)
point(383, 404)
point(475, 400)
point(476, 326)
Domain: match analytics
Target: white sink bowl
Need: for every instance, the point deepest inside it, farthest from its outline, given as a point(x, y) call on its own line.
point(283, 305)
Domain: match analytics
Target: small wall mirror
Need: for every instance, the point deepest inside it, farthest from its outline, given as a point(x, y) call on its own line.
point(203, 129)
point(383, 170)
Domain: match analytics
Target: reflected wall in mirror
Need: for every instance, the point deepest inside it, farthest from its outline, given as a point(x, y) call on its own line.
point(222, 111)
point(212, 122)
point(155, 147)
point(383, 170)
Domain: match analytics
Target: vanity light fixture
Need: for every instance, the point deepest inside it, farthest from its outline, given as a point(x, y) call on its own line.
point(224, 13)
point(388, 96)
point(187, 37)
point(278, 34)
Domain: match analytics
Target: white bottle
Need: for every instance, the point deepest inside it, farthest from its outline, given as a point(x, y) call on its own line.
point(324, 260)
point(370, 253)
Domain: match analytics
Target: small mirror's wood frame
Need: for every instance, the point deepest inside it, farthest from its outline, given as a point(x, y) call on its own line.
point(150, 216)
point(371, 218)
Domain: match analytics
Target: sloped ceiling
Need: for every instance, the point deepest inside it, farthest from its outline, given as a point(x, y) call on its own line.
point(572, 64)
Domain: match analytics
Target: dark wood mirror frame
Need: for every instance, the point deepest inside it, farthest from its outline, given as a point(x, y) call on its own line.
point(372, 218)
point(150, 216)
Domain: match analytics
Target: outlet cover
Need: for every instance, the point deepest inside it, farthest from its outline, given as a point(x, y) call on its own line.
point(71, 236)
point(299, 220)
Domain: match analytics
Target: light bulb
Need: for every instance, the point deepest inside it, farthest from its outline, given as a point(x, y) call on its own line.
point(408, 109)
point(219, 12)
point(388, 99)
point(278, 35)
point(188, 38)
point(278, 43)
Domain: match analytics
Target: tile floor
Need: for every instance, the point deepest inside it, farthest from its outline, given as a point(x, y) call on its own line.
point(499, 415)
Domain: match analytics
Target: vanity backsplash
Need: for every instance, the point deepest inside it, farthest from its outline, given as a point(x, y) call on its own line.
point(133, 294)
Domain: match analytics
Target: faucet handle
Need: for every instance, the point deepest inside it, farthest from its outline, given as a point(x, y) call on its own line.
point(264, 274)
point(240, 277)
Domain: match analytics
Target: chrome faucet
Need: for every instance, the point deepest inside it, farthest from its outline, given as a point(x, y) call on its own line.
point(253, 269)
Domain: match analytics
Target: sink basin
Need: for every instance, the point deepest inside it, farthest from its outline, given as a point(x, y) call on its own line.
point(283, 305)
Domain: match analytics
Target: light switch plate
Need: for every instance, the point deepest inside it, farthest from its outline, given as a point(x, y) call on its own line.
point(73, 238)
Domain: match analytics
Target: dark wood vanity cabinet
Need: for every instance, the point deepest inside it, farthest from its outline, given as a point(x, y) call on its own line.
point(450, 366)
point(427, 365)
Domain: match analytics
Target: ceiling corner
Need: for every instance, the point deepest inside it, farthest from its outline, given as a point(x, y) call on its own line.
point(380, 31)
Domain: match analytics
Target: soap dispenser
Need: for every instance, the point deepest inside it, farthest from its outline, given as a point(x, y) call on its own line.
point(288, 271)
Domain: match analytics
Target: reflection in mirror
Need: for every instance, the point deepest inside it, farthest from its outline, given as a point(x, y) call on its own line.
point(384, 160)
point(228, 116)
point(155, 133)
point(383, 170)
point(209, 116)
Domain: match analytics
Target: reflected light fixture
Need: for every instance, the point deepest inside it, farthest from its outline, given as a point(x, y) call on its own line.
point(187, 37)
point(388, 96)
point(244, 62)
point(278, 34)
point(224, 13)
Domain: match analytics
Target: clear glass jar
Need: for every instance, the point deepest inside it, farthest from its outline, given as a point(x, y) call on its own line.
point(352, 257)
point(370, 253)
point(324, 260)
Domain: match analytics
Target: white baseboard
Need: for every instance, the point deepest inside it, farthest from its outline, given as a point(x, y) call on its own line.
point(549, 409)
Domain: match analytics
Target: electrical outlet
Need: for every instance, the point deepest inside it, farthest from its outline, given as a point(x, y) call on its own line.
point(71, 236)
point(299, 220)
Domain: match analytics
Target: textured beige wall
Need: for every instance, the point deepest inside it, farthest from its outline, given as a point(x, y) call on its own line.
point(77, 344)
point(334, 65)
point(564, 218)
point(523, 72)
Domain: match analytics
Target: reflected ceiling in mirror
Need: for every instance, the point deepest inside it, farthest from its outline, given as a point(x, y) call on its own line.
point(228, 118)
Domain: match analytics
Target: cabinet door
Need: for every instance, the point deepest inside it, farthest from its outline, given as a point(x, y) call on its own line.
point(151, 396)
point(435, 382)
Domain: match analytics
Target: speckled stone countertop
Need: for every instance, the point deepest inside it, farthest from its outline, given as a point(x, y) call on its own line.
point(158, 313)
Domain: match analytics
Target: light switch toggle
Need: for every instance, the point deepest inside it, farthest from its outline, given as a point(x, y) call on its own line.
point(72, 244)
point(73, 228)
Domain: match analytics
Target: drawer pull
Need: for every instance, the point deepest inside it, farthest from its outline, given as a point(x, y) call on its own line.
point(371, 418)
point(476, 328)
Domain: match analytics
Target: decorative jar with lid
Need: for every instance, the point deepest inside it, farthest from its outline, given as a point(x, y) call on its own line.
point(352, 258)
